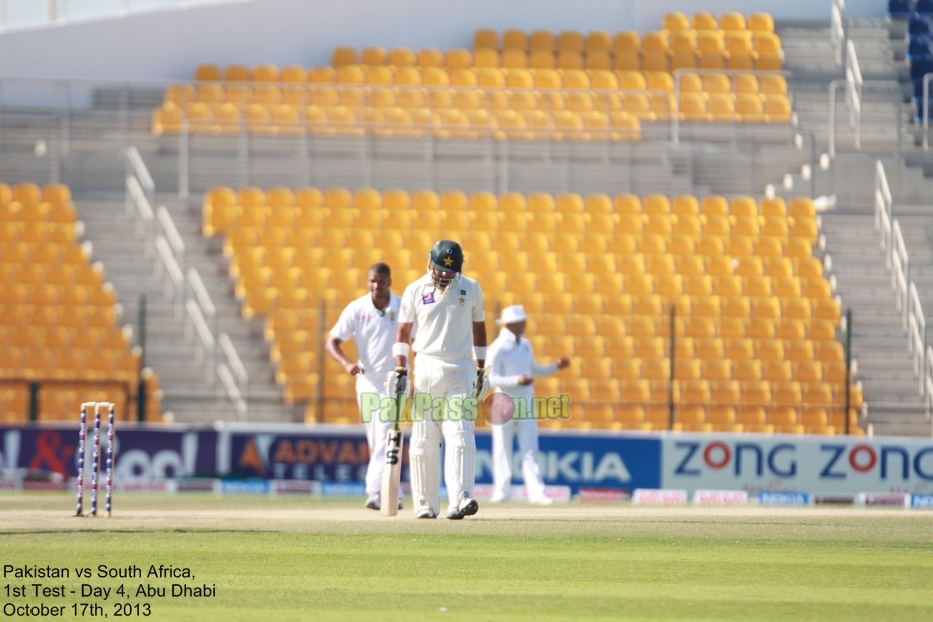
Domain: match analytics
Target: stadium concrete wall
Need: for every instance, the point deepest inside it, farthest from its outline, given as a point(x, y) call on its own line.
point(337, 456)
point(167, 45)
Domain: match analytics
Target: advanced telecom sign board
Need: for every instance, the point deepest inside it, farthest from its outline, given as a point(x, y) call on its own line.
point(813, 464)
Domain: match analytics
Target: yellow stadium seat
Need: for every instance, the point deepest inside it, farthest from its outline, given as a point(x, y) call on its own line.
point(627, 51)
point(749, 108)
point(717, 226)
point(720, 371)
point(732, 21)
point(430, 57)
point(709, 349)
point(821, 330)
point(760, 22)
point(655, 51)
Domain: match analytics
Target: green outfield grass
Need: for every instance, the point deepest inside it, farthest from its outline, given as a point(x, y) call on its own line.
point(305, 559)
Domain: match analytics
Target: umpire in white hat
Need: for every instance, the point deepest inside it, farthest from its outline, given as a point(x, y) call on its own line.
point(513, 370)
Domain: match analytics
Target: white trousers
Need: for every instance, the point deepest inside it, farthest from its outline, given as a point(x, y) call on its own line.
point(503, 437)
point(376, 431)
point(448, 380)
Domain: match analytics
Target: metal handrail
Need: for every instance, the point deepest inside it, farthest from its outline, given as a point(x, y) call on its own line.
point(205, 345)
point(136, 165)
point(203, 298)
point(897, 262)
point(884, 210)
point(918, 331)
point(236, 364)
point(166, 264)
point(854, 91)
point(926, 111)
point(837, 30)
point(170, 231)
point(900, 274)
point(233, 391)
point(928, 374)
point(140, 209)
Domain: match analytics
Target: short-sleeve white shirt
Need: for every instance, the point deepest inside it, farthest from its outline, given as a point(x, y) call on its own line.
point(443, 320)
point(374, 331)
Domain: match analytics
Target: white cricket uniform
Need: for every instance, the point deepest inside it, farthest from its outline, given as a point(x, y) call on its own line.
point(509, 359)
point(374, 331)
point(444, 368)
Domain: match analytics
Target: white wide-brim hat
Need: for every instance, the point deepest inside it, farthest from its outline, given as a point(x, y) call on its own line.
point(513, 314)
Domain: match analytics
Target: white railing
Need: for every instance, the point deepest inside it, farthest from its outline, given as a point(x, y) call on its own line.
point(897, 262)
point(928, 375)
point(235, 365)
point(165, 227)
point(229, 384)
point(837, 29)
point(853, 83)
point(44, 13)
point(204, 344)
point(198, 292)
point(167, 266)
point(900, 270)
point(191, 301)
point(884, 207)
point(139, 208)
point(926, 111)
point(916, 336)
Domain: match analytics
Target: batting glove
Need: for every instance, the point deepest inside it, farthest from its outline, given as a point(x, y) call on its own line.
point(481, 386)
point(397, 382)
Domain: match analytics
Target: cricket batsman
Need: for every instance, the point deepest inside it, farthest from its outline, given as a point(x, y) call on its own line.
point(446, 309)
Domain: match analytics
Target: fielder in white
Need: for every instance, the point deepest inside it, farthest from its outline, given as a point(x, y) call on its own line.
point(446, 310)
point(513, 370)
point(373, 321)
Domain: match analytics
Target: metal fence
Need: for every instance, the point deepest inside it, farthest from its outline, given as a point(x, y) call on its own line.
point(23, 14)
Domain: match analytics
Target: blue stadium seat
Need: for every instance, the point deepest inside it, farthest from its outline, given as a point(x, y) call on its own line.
point(900, 9)
point(919, 68)
point(925, 8)
point(919, 26)
point(919, 49)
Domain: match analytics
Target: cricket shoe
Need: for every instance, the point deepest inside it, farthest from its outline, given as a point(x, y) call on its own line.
point(544, 501)
point(374, 503)
point(424, 509)
point(466, 507)
point(401, 504)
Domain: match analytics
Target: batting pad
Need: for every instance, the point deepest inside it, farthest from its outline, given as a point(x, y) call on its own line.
point(425, 456)
point(459, 460)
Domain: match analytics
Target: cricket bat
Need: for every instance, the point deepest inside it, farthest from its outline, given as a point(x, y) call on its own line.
point(392, 469)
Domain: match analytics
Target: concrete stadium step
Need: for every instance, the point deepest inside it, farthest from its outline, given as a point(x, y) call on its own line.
point(188, 394)
point(878, 342)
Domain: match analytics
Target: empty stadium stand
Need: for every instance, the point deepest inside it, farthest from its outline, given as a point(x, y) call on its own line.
point(564, 86)
point(60, 343)
point(755, 321)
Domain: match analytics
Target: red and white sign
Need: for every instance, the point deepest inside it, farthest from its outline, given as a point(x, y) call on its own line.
point(885, 499)
point(165, 486)
point(653, 496)
point(603, 494)
point(720, 497)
